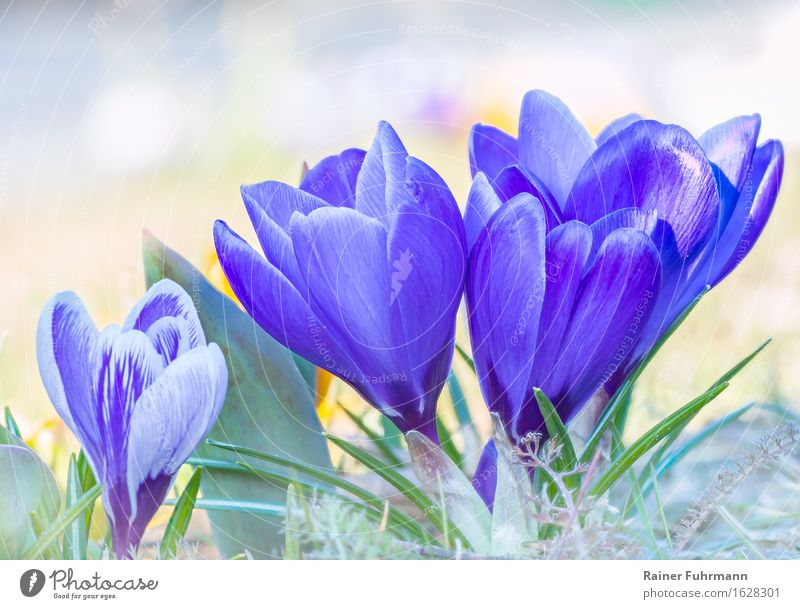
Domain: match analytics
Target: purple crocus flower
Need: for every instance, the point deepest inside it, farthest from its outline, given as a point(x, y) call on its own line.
point(584, 250)
point(363, 273)
point(138, 397)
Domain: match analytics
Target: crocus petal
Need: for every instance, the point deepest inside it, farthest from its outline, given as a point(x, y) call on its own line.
point(339, 247)
point(279, 201)
point(127, 364)
point(65, 340)
point(567, 248)
point(275, 243)
point(650, 166)
point(336, 248)
point(730, 146)
point(514, 180)
point(490, 150)
point(333, 179)
point(482, 203)
point(505, 289)
point(274, 303)
point(553, 145)
point(627, 217)
point(380, 187)
point(750, 216)
point(170, 336)
point(172, 416)
point(616, 126)
point(166, 299)
point(485, 479)
point(612, 307)
point(426, 246)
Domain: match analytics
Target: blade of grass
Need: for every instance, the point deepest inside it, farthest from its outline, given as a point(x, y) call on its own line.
point(644, 517)
point(76, 535)
point(52, 551)
point(662, 515)
point(740, 531)
point(55, 529)
point(658, 455)
point(459, 402)
point(393, 515)
point(652, 437)
point(181, 516)
point(446, 441)
point(621, 395)
point(385, 449)
point(230, 505)
point(402, 484)
point(567, 460)
point(325, 478)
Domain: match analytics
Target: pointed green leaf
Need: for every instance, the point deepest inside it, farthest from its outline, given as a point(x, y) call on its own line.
point(652, 437)
point(268, 405)
point(459, 401)
point(181, 516)
point(621, 396)
point(567, 460)
point(76, 535)
point(654, 465)
point(446, 439)
point(395, 518)
point(232, 505)
point(11, 424)
point(328, 481)
point(402, 484)
point(57, 528)
point(376, 438)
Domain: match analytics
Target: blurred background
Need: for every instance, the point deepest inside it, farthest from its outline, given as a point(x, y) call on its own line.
point(132, 114)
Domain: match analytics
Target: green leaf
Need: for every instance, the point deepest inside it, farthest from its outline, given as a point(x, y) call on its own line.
point(76, 536)
point(644, 517)
point(29, 495)
point(395, 518)
point(652, 437)
point(459, 402)
point(87, 480)
point(231, 505)
point(181, 516)
point(328, 482)
point(466, 357)
point(377, 439)
point(622, 395)
point(57, 528)
point(324, 483)
point(11, 424)
point(446, 484)
point(446, 439)
point(567, 460)
point(655, 460)
point(402, 484)
point(268, 405)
